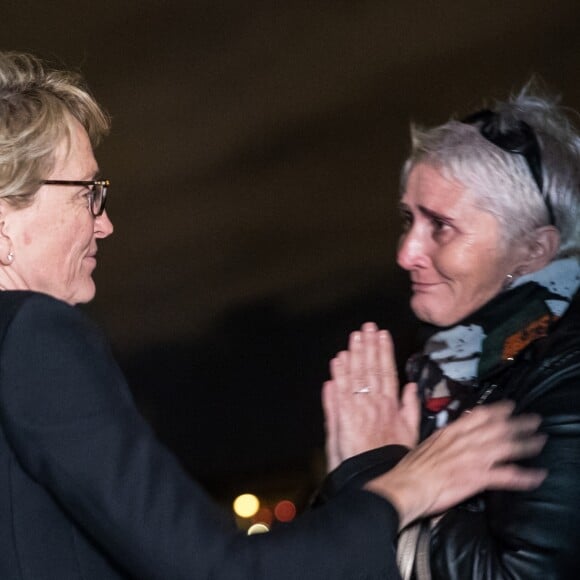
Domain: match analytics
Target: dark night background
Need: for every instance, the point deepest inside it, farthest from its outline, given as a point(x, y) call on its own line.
point(254, 157)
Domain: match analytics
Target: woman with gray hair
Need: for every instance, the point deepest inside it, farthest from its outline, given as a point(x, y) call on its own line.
point(86, 490)
point(491, 241)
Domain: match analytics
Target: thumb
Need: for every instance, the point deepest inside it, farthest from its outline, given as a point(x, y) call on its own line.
point(411, 406)
point(331, 423)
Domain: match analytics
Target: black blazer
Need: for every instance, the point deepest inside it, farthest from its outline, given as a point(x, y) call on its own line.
point(87, 492)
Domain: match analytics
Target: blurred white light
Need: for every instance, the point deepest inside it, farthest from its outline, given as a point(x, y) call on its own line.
point(258, 529)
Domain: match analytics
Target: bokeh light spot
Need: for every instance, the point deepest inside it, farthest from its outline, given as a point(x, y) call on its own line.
point(258, 529)
point(263, 516)
point(246, 505)
point(285, 511)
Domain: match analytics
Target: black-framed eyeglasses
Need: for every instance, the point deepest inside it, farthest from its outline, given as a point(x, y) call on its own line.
point(97, 192)
point(518, 139)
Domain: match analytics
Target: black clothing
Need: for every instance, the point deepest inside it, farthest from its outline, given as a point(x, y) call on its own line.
point(534, 534)
point(87, 492)
point(515, 535)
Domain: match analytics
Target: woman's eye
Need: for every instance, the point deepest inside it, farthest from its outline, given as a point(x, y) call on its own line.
point(406, 221)
point(438, 224)
point(440, 227)
point(87, 196)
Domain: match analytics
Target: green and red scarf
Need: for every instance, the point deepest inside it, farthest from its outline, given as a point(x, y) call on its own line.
point(454, 359)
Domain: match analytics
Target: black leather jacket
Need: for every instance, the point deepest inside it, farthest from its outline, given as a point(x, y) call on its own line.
point(533, 534)
point(515, 535)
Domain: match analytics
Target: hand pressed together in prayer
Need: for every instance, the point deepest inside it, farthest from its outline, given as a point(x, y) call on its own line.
point(362, 403)
point(364, 411)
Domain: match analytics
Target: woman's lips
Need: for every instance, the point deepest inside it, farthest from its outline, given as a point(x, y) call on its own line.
point(423, 286)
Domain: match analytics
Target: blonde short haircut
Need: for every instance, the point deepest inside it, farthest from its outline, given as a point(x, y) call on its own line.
point(37, 106)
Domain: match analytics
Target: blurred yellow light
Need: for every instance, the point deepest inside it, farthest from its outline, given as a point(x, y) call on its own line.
point(258, 529)
point(246, 505)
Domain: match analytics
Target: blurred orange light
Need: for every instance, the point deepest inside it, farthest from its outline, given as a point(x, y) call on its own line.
point(263, 515)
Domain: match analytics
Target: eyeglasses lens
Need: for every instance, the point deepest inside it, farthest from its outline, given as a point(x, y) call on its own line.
point(98, 197)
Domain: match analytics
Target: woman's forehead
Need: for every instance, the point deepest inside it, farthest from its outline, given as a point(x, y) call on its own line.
point(74, 154)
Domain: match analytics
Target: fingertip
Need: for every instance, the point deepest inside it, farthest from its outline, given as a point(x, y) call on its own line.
point(534, 419)
point(540, 440)
point(410, 393)
point(512, 477)
point(508, 404)
point(532, 479)
point(541, 475)
point(503, 405)
point(499, 410)
point(340, 360)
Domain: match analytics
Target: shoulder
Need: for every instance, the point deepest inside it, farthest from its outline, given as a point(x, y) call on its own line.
point(55, 363)
point(15, 300)
point(553, 358)
point(31, 313)
point(546, 378)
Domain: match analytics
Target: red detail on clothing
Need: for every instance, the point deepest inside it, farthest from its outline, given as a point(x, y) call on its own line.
point(437, 404)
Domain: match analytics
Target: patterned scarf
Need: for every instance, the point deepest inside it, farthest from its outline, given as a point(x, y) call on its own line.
point(454, 359)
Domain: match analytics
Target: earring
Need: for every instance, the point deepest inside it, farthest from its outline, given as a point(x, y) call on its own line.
point(10, 257)
point(508, 281)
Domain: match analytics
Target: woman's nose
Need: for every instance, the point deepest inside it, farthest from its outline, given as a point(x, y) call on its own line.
point(411, 253)
point(103, 225)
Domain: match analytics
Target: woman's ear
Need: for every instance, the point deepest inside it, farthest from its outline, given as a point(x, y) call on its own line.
point(6, 249)
point(542, 248)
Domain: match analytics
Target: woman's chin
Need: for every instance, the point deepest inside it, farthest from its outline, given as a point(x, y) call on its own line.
point(84, 293)
point(432, 311)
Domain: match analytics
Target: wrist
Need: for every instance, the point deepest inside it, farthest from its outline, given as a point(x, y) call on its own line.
point(401, 493)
